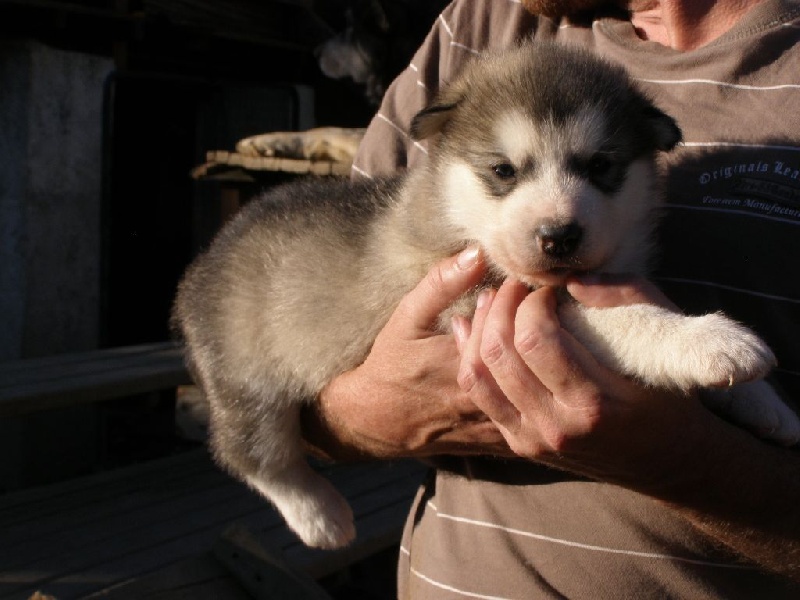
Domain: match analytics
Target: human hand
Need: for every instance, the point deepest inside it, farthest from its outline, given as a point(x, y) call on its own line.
point(607, 290)
point(404, 399)
point(554, 403)
point(754, 406)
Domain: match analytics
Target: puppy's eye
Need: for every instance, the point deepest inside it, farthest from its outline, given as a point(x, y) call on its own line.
point(605, 171)
point(599, 166)
point(504, 171)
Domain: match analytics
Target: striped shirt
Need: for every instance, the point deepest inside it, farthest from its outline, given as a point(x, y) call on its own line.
point(484, 528)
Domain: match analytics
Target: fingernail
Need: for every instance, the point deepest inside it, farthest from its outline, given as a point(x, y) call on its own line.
point(459, 333)
point(483, 298)
point(467, 258)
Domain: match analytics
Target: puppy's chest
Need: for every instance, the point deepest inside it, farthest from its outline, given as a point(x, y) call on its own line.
point(463, 307)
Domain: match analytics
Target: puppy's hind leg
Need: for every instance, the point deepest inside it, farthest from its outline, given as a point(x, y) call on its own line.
point(263, 448)
point(309, 504)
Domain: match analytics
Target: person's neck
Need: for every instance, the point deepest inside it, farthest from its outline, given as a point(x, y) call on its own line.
point(686, 24)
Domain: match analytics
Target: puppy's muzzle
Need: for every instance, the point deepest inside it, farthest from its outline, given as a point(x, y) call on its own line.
point(559, 240)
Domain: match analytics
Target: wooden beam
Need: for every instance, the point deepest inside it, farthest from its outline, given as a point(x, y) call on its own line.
point(65, 380)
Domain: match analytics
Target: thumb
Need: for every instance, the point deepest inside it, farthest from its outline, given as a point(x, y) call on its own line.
point(606, 290)
point(444, 283)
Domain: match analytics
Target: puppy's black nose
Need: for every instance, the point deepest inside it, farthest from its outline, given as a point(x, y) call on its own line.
point(559, 240)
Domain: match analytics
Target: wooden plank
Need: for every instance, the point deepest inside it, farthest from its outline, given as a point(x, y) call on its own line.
point(136, 544)
point(57, 496)
point(69, 502)
point(27, 369)
point(65, 380)
point(216, 159)
point(197, 578)
point(114, 519)
point(111, 515)
point(114, 528)
point(275, 574)
point(81, 364)
point(264, 575)
point(146, 559)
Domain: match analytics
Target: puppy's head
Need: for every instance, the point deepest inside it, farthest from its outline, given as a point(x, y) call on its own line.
point(545, 156)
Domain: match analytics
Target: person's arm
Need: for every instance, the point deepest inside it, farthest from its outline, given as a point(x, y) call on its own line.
point(555, 404)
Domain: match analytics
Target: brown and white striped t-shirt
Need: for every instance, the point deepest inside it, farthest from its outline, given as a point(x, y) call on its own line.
point(484, 528)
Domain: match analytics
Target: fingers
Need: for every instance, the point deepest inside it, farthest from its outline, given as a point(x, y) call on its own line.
point(443, 284)
point(475, 377)
point(493, 371)
point(462, 329)
point(606, 290)
point(519, 364)
point(563, 367)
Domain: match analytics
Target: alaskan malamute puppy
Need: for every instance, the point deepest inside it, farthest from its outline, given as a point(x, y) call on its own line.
point(542, 155)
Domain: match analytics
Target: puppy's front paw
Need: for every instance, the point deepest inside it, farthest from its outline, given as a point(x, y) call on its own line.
point(724, 352)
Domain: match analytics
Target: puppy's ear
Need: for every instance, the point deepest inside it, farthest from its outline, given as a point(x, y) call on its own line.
point(431, 120)
point(666, 133)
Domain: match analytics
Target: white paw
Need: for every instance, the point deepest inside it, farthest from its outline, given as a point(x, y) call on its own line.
point(324, 520)
point(756, 407)
point(720, 352)
point(310, 505)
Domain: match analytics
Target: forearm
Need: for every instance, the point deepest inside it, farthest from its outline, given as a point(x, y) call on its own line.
point(361, 416)
point(324, 440)
point(328, 425)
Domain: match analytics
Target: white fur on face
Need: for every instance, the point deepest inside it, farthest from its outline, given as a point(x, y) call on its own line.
point(547, 190)
point(467, 205)
point(520, 138)
point(517, 137)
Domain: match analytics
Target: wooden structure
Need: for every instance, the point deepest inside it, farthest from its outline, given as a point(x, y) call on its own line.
point(224, 162)
point(181, 528)
point(37, 384)
point(319, 151)
point(163, 528)
point(325, 151)
point(176, 527)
